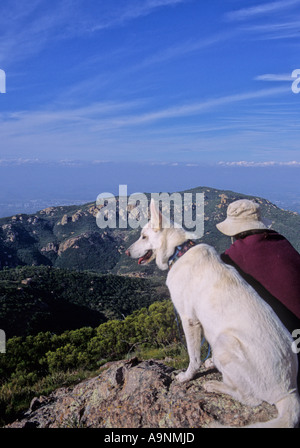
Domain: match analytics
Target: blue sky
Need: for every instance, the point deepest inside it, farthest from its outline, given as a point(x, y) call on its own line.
point(162, 81)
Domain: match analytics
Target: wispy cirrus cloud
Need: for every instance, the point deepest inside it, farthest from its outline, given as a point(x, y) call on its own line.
point(107, 116)
point(185, 48)
point(269, 21)
point(121, 129)
point(262, 9)
point(130, 10)
point(143, 60)
point(198, 107)
point(286, 29)
point(275, 77)
point(27, 28)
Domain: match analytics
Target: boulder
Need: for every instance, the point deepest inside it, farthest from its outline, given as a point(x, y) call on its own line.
point(140, 394)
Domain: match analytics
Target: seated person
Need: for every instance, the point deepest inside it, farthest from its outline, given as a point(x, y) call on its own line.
point(265, 259)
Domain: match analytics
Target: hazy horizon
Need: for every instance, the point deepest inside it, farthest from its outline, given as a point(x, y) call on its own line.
point(28, 187)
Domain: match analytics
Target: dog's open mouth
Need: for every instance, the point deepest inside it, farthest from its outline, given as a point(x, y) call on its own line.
point(146, 257)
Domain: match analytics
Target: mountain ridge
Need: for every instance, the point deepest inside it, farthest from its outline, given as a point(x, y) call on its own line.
point(68, 236)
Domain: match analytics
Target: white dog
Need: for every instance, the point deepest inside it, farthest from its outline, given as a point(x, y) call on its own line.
point(250, 346)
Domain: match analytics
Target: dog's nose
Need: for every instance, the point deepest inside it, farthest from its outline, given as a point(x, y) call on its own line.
point(127, 252)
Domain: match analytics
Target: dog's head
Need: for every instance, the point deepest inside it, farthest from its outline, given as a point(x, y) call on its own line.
point(150, 239)
point(157, 240)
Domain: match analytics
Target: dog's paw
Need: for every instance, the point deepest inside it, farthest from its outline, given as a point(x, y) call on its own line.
point(183, 377)
point(211, 386)
point(209, 364)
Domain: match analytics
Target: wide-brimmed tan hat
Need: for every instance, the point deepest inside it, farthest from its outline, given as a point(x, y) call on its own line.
point(243, 215)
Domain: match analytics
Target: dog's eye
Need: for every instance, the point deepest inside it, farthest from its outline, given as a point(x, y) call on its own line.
point(144, 237)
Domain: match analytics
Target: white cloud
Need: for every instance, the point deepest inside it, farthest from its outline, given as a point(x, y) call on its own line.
point(102, 119)
point(184, 48)
point(274, 77)
point(264, 8)
point(26, 29)
point(36, 161)
point(18, 161)
point(196, 108)
point(132, 10)
point(245, 163)
point(285, 29)
point(127, 130)
point(260, 20)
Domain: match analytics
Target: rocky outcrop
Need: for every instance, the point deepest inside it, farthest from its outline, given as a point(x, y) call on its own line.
point(50, 247)
point(64, 220)
point(48, 211)
point(71, 242)
point(10, 234)
point(140, 394)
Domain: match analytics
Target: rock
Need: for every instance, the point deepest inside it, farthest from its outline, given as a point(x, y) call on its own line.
point(64, 220)
point(48, 211)
point(71, 242)
point(51, 247)
point(35, 404)
point(79, 214)
point(140, 394)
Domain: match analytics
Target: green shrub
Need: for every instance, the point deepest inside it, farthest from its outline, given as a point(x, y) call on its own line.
point(35, 365)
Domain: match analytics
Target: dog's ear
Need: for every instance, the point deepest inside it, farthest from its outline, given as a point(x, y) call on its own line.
point(155, 216)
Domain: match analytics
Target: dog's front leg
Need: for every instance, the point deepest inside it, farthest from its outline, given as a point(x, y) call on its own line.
point(192, 330)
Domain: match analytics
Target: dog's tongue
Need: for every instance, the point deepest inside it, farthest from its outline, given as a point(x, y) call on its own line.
point(145, 257)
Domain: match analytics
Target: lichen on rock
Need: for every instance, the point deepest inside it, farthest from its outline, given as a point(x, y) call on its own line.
point(140, 394)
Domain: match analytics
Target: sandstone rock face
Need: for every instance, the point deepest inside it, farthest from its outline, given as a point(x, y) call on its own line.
point(140, 394)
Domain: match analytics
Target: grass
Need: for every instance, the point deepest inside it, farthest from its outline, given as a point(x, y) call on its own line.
point(15, 399)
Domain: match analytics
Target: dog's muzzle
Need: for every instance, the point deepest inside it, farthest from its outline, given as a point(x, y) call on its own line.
point(144, 259)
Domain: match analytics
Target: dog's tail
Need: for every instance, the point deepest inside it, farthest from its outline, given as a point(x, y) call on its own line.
point(288, 414)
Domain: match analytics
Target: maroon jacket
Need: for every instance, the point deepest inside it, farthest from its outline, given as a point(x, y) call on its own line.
point(272, 261)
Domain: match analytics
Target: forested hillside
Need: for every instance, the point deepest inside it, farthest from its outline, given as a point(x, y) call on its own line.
point(40, 298)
